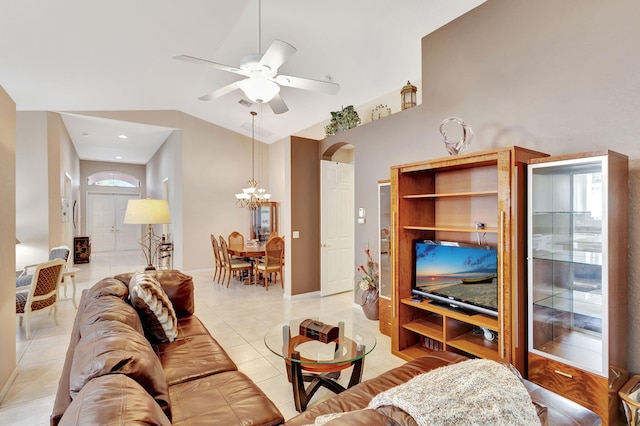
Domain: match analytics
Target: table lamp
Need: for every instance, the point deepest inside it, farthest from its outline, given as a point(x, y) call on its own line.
point(147, 212)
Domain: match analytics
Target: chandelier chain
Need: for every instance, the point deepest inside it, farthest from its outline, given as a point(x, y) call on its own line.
point(252, 197)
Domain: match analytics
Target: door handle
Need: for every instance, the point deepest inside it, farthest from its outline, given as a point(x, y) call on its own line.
point(324, 245)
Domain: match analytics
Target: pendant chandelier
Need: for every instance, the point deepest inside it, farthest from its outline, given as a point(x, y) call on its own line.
point(253, 196)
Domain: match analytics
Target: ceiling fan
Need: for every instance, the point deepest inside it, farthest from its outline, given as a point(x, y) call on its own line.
point(262, 84)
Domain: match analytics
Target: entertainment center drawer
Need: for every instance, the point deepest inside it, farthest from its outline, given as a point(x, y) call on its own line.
point(580, 386)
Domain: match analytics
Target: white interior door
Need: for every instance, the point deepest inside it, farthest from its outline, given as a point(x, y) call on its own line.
point(105, 216)
point(127, 236)
point(337, 261)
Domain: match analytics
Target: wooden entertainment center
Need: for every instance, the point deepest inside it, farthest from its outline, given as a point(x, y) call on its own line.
point(564, 325)
point(446, 199)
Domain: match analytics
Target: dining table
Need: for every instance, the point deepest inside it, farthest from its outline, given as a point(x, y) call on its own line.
point(249, 250)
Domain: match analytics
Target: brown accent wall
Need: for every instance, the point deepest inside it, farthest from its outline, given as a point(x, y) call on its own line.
point(305, 215)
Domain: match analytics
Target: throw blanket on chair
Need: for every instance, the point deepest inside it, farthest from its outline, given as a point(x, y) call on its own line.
point(474, 392)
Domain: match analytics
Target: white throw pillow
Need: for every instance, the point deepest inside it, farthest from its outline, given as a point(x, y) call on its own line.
point(156, 311)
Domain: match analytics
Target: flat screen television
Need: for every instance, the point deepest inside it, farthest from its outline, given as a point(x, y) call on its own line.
point(458, 276)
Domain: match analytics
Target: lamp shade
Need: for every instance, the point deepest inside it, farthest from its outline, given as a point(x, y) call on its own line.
point(147, 212)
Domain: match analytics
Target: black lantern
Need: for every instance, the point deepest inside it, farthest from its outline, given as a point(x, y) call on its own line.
point(408, 96)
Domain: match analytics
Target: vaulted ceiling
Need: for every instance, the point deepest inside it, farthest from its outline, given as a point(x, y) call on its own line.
point(78, 55)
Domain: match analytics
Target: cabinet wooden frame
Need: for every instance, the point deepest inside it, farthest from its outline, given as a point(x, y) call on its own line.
point(443, 199)
point(555, 360)
point(384, 256)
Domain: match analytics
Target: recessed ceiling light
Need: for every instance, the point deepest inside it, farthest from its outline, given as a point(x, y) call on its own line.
point(118, 157)
point(122, 136)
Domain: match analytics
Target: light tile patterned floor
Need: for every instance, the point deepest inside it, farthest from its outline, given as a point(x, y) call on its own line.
point(237, 317)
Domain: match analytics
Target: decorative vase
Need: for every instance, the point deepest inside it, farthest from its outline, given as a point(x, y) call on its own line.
point(460, 146)
point(369, 303)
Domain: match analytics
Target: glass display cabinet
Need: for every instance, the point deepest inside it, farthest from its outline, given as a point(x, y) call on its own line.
point(264, 220)
point(577, 270)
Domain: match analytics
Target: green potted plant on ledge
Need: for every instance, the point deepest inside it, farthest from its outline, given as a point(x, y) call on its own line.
point(346, 118)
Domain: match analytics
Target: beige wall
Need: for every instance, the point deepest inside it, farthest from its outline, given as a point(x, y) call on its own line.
point(44, 153)
point(279, 172)
point(212, 165)
point(7, 244)
point(32, 195)
point(166, 164)
point(63, 160)
point(557, 77)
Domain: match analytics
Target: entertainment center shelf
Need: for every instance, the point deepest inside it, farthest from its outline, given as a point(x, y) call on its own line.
point(453, 329)
point(472, 199)
point(451, 229)
point(454, 194)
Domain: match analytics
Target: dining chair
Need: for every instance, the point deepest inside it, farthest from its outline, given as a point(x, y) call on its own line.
point(272, 234)
point(41, 294)
point(217, 257)
point(236, 239)
point(232, 265)
point(272, 261)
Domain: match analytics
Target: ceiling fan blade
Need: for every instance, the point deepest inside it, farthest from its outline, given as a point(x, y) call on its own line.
point(277, 104)
point(308, 84)
point(277, 54)
point(220, 92)
point(216, 65)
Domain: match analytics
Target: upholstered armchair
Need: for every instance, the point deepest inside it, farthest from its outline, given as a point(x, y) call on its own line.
point(42, 293)
point(24, 278)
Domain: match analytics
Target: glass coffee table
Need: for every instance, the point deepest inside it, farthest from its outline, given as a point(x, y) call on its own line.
point(316, 350)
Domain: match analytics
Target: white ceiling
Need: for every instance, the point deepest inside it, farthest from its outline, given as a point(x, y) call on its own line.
point(78, 55)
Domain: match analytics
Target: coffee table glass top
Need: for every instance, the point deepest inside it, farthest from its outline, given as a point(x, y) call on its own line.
point(350, 344)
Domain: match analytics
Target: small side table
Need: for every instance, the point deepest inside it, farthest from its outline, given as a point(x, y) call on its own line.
point(310, 360)
point(69, 273)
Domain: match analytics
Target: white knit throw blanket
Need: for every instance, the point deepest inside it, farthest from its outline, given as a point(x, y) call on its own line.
point(473, 392)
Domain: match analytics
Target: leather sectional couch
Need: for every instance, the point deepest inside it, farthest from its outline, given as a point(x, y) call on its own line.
point(114, 375)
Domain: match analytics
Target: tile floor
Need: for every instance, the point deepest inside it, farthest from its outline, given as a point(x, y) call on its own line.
point(237, 317)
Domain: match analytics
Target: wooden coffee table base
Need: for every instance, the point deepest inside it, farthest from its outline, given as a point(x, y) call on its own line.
point(325, 376)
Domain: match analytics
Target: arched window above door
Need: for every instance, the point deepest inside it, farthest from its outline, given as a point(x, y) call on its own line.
point(117, 179)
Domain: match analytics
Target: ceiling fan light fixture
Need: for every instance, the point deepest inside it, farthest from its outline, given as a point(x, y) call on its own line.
point(259, 90)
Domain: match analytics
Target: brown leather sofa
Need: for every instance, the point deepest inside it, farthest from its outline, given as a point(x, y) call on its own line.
point(113, 375)
point(552, 408)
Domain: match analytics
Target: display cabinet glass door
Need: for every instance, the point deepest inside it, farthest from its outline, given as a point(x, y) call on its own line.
point(264, 220)
point(566, 260)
